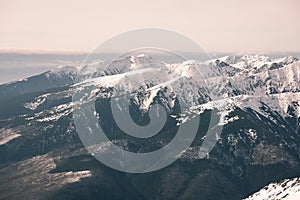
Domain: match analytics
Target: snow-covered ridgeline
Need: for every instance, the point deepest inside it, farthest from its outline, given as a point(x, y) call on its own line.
point(276, 87)
point(288, 189)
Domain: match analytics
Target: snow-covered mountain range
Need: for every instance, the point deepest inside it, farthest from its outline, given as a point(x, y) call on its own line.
point(257, 100)
point(247, 81)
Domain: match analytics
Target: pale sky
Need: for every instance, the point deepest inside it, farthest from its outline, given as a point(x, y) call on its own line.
point(260, 26)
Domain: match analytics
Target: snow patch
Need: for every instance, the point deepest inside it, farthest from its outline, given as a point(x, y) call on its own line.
point(7, 135)
point(288, 189)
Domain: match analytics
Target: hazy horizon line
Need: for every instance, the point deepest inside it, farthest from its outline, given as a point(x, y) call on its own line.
point(85, 52)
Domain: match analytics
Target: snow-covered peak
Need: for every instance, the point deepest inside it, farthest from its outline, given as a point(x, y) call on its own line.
point(249, 64)
point(141, 61)
point(254, 58)
point(120, 65)
point(245, 61)
point(64, 70)
point(286, 60)
point(63, 74)
point(228, 59)
point(248, 61)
